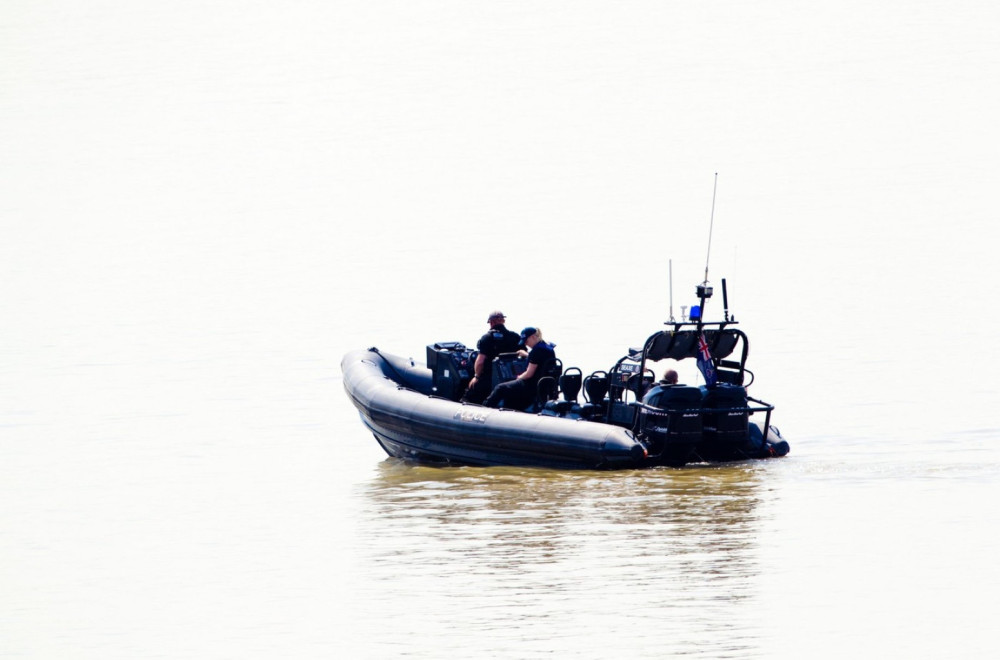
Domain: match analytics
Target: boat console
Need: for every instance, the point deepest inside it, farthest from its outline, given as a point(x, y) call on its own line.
point(451, 366)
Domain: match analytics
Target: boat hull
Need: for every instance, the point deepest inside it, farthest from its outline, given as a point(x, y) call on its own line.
point(397, 402)
point(394, 400)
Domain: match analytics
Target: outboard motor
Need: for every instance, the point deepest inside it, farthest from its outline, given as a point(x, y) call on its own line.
point(726, 422)
point(670, 420)
point(451, 364)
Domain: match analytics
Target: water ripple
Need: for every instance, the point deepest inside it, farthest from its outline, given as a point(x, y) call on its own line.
point(526, 558)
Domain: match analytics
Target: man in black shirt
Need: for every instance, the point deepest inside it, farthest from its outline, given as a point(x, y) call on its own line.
point(498, 340)
point(520, 392)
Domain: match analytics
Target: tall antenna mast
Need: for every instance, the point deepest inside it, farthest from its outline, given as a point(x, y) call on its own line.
point(704, 290)
point(711, 223)
point(670, 272)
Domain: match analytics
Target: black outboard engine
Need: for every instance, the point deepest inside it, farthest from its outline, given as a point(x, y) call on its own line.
point(451, 364)
point(726, 423)
point(670, 420)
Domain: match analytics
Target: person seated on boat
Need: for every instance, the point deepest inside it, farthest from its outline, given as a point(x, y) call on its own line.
point(669, 378)
point(498, 340)
point(519, 393)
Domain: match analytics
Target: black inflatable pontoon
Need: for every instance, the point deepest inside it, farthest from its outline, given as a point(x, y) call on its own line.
point(625, 421)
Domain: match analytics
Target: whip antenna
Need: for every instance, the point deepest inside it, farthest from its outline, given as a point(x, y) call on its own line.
point(670, 272)
point(704, 290)
point(711, 223)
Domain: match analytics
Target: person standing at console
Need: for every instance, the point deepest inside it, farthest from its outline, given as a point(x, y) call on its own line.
point(520, 392)
point(498, 340)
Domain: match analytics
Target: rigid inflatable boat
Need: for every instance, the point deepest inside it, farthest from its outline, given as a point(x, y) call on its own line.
point(625, 420)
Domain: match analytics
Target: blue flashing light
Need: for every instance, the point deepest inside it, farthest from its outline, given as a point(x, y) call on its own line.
point(695, 312)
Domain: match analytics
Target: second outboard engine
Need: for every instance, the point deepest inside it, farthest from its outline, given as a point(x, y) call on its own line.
point(726, 422)
point(670, 420)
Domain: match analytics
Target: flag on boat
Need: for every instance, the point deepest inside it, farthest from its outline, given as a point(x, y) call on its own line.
point(705, 361)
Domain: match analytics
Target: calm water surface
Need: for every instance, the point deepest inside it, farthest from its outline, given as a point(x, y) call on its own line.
point(778, 558)
point(206, 205)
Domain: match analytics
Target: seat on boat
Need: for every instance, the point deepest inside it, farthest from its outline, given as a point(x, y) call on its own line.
point(507, 366)
point(547, 392)
point(595, 389)
point(638, 386)
point(547, 387)
point(569, 384)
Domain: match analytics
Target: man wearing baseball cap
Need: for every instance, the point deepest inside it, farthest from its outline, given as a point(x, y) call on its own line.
point(498, 340)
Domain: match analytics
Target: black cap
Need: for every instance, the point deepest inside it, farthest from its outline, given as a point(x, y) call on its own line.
point(527, 332)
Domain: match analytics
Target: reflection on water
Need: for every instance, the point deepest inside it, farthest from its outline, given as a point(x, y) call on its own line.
point(641, 557)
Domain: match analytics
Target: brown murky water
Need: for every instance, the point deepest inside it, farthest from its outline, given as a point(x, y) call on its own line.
point(205, 205)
